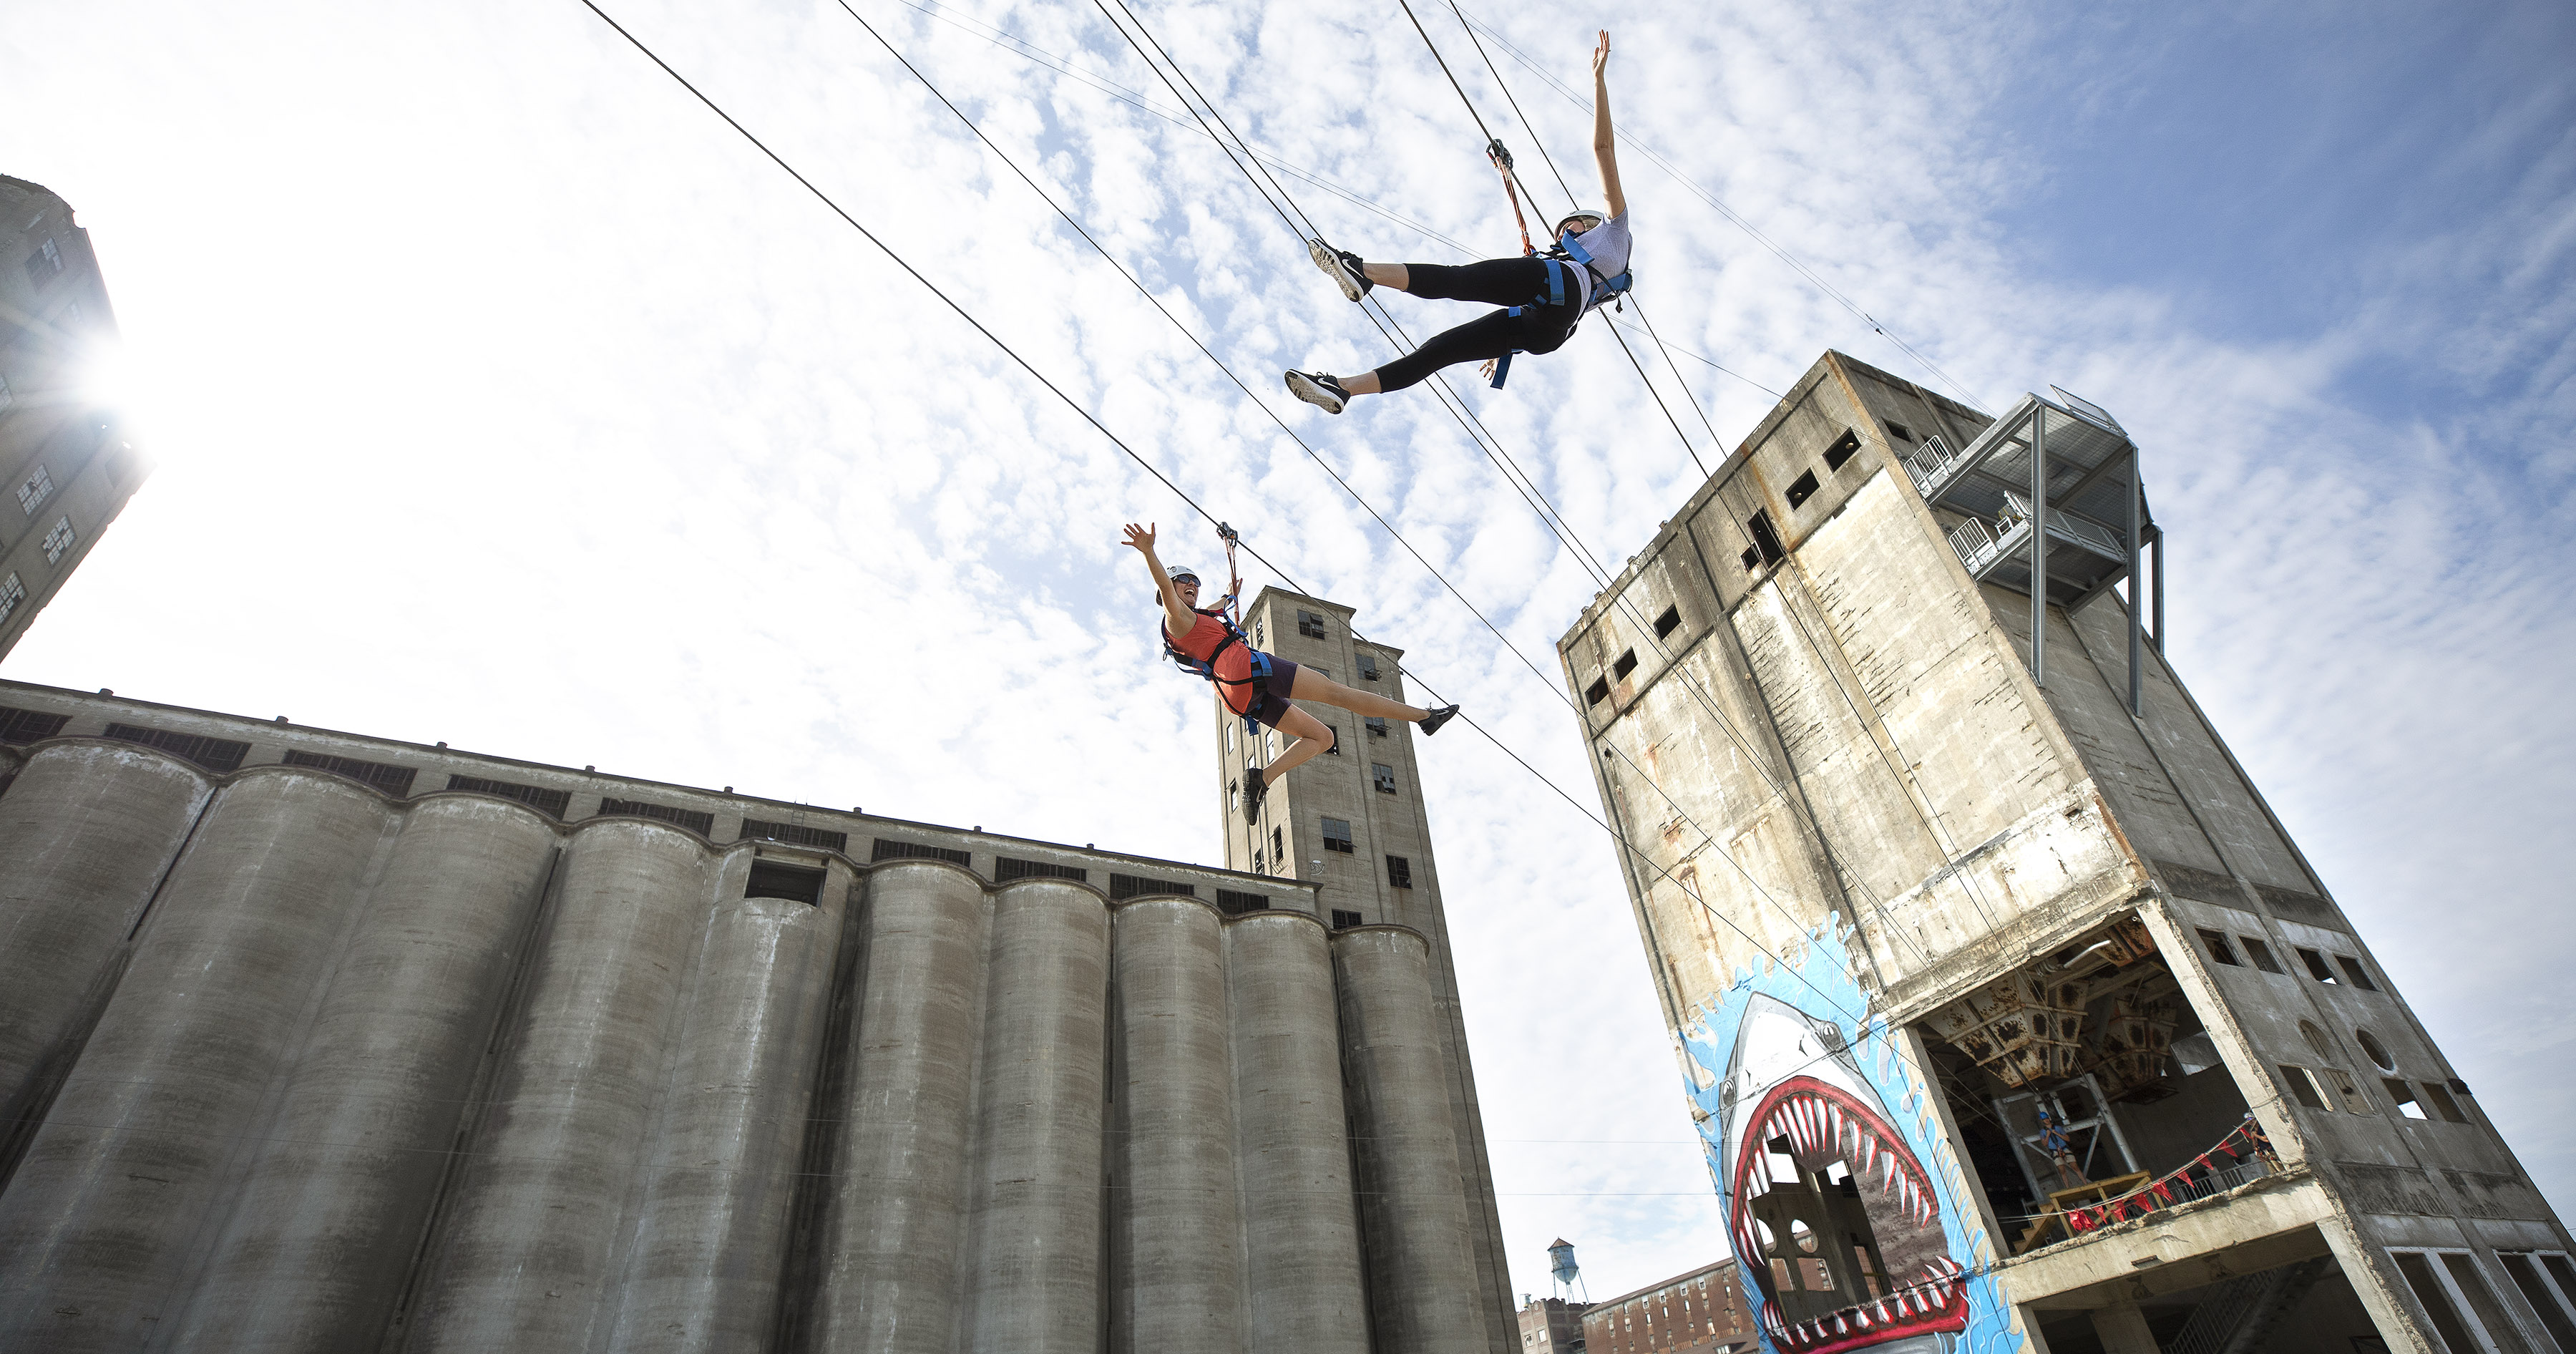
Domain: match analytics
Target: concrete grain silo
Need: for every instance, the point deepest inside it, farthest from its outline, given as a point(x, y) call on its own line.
point(311, 1041)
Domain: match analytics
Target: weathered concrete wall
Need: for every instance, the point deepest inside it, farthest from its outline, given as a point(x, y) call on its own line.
point(447, 1072)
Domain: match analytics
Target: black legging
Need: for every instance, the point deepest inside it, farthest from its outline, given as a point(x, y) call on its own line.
point(1539, 328)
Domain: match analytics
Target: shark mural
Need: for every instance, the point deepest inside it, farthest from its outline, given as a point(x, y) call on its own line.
point(1843, 1200)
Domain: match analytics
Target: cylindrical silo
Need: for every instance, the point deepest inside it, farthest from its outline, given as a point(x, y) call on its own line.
point(316, 1251)
point(1177, 1266)
point(86, 831)
point(155, 1124)
point(1033, 1249)
point(524, 1260)
point(1413, 1196)
point(1301, 1233)
point(891, 1238)
point(711, 1241)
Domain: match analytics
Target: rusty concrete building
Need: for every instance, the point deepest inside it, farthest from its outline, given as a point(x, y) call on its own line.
point(1552, 1325)
point(2007, 1010)
point(62, 453)
point(1702, 1312)
point(317, 1041)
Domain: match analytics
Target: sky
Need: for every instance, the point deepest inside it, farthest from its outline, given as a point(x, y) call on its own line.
point(501, 394)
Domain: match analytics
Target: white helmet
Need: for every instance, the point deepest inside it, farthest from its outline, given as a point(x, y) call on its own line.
point(1590, 217)
point(1185, 571)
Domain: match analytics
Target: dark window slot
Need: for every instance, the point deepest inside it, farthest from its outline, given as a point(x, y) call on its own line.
point(1311, 625)
point(1235, 904)
point(214, 754)
point(1844, 448)
point(1006, 869)
point(1337, 836)
point(793, 883)
point(1802, 488)
point(1897, 430)
point(1368, 666)
point(2218, 950)
point(894, 850)
point(2352, 969)
point(1667, 623)
point(1598, 692)
point(27, 726)
point(1399, 872)
point(551, 803)
point(2261, 954)
point(1627, 664)
point(1766, 541)
point(1279, 846)
point(753, 829)
point(1384, 775)
point(2317, 968)
point(393, 780)
point(703, 824)
point(1123, 886)
point(1343, 921)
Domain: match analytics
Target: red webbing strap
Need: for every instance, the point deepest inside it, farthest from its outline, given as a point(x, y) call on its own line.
point(1503, 165)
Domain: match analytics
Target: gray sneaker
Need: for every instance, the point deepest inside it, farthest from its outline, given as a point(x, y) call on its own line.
point(1342, 266)
point(1317, 389)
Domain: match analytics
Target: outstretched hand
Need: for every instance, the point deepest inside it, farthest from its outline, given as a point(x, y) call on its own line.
point(1601, 56)
point(1141, 538)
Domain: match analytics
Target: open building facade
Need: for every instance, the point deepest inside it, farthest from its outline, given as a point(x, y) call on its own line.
point(316, 1041)
point(2006, 1008)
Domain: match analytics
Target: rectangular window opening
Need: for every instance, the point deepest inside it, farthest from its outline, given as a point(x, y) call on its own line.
point(1125, 886)
point(1344, 920)
point(1005, 869)
point(893, 850)
point(1667, 623)
point(38, 487)
point(1368, 666)
point(1766, 541)
point(2403, 1097)
point(2352, 969)
point(1399, 872)
point(1279, 845)
point(2436, 1300)
point(59, 540)
point(2302, 1087)
point(1899, 431)
point(2471, 1281)
point(2557, 1311)
point(1846, 447)
point(1337, 835)
point(1801, 489)
point(2354, 1102)
point(754, 829)
point(2218, 949)
point(1384, 775)
point(27, 726)
point(2317, 968)
point(218, 755)
point(2261, 954)
point(703, 824)
point(393, 780)
point(11, 594)
point(1234, 903)
point(1627, 664)
point(792, 883)
point(1598, 692)
point(1376, 726)
point(2443, 1104)
point(1311, 625)
point(1334, 733)
point(551, 803)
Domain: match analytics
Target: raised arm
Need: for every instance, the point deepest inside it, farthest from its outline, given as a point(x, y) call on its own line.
point(1177, 617)
point(1605, 150)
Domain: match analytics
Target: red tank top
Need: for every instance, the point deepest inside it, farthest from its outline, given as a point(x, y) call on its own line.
point(1232, 666)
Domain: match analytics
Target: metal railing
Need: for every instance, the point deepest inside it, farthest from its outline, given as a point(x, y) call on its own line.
point(1928, 462)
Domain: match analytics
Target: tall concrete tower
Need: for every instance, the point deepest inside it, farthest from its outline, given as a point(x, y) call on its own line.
point(64, 458)
point(2006, 1008)
point(1352, 823)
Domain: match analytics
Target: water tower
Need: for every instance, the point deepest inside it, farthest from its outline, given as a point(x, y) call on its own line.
point(1560, 1263)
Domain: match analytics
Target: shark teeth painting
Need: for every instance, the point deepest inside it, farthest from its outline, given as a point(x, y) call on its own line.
point(1794, 1092)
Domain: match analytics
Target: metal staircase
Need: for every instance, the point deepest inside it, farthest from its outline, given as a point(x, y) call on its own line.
point(2239, 1318)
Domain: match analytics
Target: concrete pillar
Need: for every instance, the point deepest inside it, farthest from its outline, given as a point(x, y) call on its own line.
point(1423, 1291)
point(1033, 1253)
point(154, 1125)
point(2122, 1329)
point(319, 1246)
point(524, 1261)
point(1300, 1228)
point(892, 1233)
point(1177, 1234)
point(712, 1238)
point(86, 832)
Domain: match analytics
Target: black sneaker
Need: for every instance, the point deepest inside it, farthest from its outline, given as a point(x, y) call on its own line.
point(1342, 266)
point(1317, 389)
point(1431, 723)
point(1253, 791)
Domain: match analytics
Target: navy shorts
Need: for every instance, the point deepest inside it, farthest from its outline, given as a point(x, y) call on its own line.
point(1283, 679)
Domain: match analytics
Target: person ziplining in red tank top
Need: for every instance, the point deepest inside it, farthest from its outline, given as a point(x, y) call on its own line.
point(1204, 637)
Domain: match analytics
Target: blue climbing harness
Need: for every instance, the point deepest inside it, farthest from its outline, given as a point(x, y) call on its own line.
point(1560, 263)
